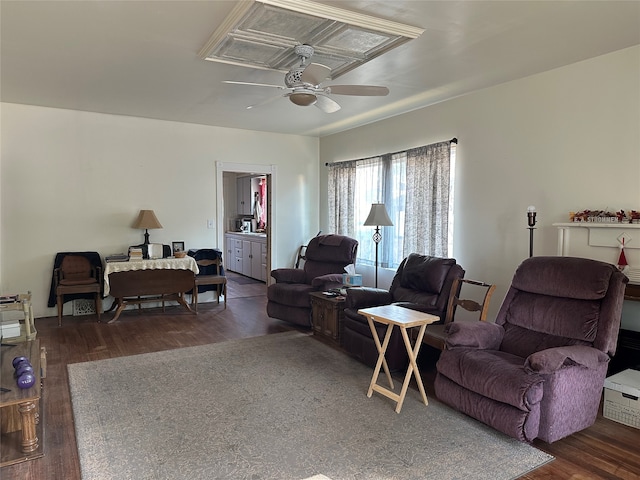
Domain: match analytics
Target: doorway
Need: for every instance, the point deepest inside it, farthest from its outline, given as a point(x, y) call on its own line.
point(224, 210)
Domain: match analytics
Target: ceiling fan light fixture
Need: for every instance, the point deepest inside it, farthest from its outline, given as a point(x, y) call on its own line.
point(303, 99)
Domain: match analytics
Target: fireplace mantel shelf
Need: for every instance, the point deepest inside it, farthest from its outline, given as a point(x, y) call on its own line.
point(622, 226)
point(600, 234)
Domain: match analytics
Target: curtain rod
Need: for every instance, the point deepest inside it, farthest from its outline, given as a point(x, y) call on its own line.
point(453, 140)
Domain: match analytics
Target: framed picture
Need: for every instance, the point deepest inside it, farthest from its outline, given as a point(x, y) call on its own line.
point(177, 247)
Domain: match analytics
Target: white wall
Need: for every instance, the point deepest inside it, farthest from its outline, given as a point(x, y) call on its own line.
point(75, 181)
point(564, 140)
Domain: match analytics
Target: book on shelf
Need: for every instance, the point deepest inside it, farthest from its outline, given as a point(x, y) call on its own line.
point(117, 257)
point(9, 299)
point(135, 254)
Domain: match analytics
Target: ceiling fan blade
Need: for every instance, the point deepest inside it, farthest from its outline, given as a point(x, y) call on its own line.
point(315, 73)
point(326, 104)
point(255, 84)
point(361, 90)
point(264, 102)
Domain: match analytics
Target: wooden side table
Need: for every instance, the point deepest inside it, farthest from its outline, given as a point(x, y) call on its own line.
point(404, 318)
point(327, 314)
point(20, 413)
point(21, 302)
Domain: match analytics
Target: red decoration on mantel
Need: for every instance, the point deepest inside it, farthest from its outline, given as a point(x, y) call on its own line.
point(622, 259)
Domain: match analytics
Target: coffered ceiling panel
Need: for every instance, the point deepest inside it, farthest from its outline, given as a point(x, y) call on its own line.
point(263, 34)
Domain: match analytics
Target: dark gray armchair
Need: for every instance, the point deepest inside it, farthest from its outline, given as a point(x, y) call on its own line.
point(421, 283)
point(325, 259)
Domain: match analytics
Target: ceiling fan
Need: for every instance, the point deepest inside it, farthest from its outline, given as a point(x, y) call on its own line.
point(304, 81)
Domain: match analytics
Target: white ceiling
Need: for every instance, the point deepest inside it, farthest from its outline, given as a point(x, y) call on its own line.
point(140, 58)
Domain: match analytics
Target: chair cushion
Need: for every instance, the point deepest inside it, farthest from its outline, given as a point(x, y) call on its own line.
point(76, 267)
point(291, 294)
point(407, 296)
point(564, 317)
point(210, 279)
point(332, 249)
point(425, 273)
point(497, 375)
point(522, 341)
point(569, 277)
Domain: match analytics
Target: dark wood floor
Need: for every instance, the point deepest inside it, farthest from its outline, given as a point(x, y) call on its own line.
point(607, 450)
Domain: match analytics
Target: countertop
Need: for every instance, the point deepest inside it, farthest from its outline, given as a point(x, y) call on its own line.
point(248, 234)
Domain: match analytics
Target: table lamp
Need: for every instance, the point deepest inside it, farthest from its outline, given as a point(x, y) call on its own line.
point(147, 219)
point(378, 217)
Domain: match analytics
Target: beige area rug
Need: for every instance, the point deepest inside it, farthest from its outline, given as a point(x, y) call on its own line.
point(281, 406)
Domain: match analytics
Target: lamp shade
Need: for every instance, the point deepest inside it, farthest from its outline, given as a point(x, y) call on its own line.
point(147, 219)
point(378, 216)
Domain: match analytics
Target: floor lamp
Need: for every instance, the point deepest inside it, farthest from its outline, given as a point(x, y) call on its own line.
point(378, 217)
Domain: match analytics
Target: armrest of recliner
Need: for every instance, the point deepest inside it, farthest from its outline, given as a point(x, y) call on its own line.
point(479, 335)
point(327, 282)
point(363, 297)
point(289, 275)
point(553, 359)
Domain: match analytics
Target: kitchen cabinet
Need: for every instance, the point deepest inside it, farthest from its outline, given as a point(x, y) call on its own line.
point(259, 261)
point(263, 262)
point(247, 254)
point(245, 195)
point(246, 258)
point(229, 248)
point(237, 256)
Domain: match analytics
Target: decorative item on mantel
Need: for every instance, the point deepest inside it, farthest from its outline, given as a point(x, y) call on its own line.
point(623, 265)
point(605, 216)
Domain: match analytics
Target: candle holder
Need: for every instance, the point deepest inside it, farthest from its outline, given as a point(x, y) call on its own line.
point(531, 221)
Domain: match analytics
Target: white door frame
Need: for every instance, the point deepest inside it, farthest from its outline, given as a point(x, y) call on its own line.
point(269, 170)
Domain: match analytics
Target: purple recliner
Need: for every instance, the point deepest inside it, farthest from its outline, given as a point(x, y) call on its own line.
point(325, 259)
point(539, 370)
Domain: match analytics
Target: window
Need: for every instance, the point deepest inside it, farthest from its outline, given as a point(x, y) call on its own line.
point(417, 188)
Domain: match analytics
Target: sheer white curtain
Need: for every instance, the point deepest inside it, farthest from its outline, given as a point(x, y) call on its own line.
point(428, 189)
point(341, 191)
point(414, 185)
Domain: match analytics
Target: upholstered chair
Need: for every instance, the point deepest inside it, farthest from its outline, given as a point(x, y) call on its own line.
point(76, 277)
point(421, 283)
point(538, 371)
point(211, 274)
point(325, 259)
